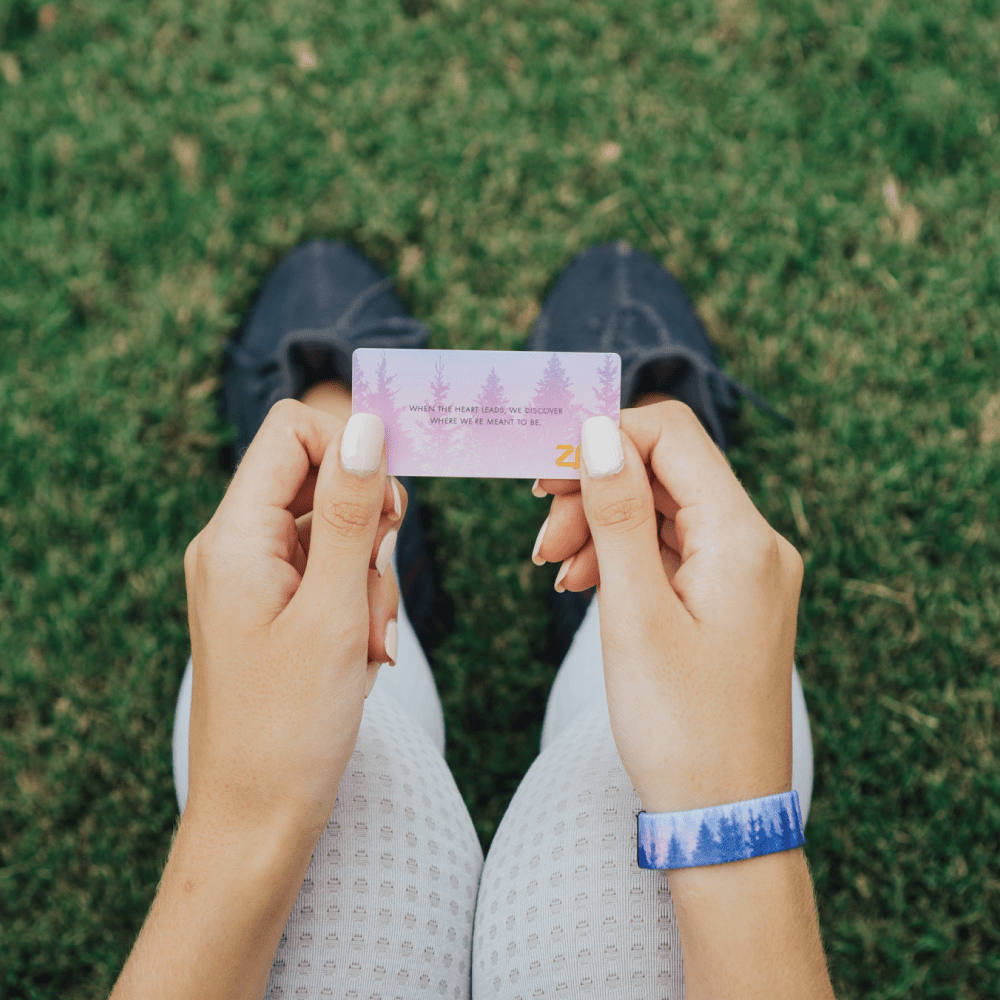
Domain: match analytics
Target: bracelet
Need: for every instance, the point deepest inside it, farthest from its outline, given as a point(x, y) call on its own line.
point(718, 834)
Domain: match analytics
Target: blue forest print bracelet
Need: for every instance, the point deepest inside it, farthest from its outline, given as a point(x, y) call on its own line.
point(718, 834)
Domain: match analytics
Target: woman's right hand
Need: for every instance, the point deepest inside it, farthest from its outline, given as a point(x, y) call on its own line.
point(698, 600)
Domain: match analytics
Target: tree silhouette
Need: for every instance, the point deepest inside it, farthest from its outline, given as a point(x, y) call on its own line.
point(647, 845)
point(382, 400)
point(676, 857)
point(731, 836)
point(442, 441)
point(608, 391)
point(360, 392)
point(439, 388)
point(706, 847)
point(760, 837)
point(555, 390)
point(473, 454)
point(785, 825)
point(492, 393)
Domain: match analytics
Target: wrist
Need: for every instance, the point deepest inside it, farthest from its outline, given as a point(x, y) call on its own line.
point(247, 809)
point(700, 792)
point(697, 780)
point(265, 844)
point(252, 875)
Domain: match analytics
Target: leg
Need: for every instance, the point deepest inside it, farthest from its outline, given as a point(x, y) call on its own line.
point(563, 909)
point(387, 904)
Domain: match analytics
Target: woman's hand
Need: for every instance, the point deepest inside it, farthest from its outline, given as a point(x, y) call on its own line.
point(698, 598)
point(291, 613)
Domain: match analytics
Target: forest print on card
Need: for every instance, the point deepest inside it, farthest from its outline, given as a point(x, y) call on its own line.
point(500, 414)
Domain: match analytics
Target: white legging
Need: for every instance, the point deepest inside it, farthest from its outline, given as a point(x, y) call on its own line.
point(397, 902)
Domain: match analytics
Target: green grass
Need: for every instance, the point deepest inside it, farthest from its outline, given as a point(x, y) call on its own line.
point(158, 157)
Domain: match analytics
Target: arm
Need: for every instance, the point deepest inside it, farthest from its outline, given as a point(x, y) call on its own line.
point(222, 905)
point(288, 615)
point(699, 604)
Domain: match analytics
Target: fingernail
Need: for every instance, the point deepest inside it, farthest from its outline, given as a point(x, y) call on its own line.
point(397, 503)
point(385, 551)
point(361, 445)
point(602, 447)
point(391, 638)
point(537, 490)
point(561, 575)
point(535, 557)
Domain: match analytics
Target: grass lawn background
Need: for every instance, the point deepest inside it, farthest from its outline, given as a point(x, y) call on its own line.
point(822, 176)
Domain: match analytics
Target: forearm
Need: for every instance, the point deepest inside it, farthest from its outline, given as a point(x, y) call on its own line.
point(749, 929)
point(217, 919)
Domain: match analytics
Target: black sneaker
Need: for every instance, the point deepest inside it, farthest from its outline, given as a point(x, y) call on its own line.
point(320, 303)
point(617, 299)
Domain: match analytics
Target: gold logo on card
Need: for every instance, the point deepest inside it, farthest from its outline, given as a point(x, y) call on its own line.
point(569, 457)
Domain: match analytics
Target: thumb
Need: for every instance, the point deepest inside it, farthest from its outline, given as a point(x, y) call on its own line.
point(618, 504)
point(347, 505)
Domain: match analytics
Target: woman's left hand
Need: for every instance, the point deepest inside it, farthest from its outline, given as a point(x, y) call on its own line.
point(289, 605)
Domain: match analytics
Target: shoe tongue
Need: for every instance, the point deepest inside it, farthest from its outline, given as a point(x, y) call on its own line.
point(312, 363)
point(671, 374)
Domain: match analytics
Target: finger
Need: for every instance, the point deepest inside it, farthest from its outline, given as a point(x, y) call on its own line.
point(689, 465)
point(393, 506)
point(396, 499)
point(668, 535)
point(618, 502)
point(382, 549)
point(563, 532)
point(385, 542)
point(579, 571)
point(663, 501)
point(555, 487)
point(671, 560)
point(303, 501)
point(383, 612)
point(383, 598)
point(280, 466)
point(350, 491)
point(303, 526)
point(300, 555)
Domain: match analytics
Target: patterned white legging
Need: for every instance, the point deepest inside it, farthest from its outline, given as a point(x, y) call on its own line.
point(397, 902)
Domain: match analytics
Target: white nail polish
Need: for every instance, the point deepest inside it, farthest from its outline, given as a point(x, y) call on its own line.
point(535, 557)
point(537, 490)
point(561, 575)
point(385, 551)
point(602, 447)
point(397, 502)
point(391, 638)
point(361, 445)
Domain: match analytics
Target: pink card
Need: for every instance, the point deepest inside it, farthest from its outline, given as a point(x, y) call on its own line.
point(495, 414)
